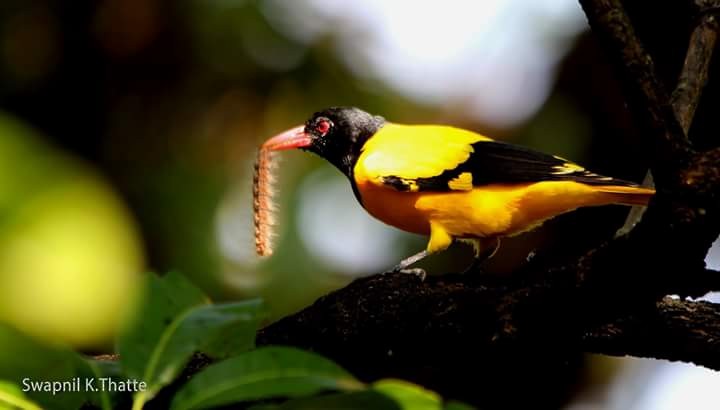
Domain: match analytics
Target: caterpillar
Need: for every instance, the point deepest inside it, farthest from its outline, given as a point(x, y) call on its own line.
point(263, 205)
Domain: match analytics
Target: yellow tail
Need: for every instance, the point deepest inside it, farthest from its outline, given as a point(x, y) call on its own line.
point(627, 195)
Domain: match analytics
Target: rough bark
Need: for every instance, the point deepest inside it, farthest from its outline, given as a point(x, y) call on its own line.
point(397, 324)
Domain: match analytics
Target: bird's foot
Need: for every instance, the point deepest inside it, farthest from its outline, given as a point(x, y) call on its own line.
point(420, 273)
point(403, 265)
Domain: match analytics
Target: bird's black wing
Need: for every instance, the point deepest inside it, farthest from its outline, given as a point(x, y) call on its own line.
point(493, 162)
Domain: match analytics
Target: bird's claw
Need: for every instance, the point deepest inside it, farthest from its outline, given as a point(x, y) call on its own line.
point(420, 273)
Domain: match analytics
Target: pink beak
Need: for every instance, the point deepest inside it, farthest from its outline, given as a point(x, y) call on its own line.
point(293, 138)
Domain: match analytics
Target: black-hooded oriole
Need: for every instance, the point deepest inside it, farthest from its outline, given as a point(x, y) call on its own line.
point(450, 183)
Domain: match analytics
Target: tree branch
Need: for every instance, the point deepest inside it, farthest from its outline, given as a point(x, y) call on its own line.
point(675, 330)
point(683, 218)
point(647, 96)
point(439, 321)
point(694, 75)
point(686, 96)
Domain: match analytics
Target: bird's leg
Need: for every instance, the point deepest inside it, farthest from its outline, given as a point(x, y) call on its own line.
point(483, 252)
point(405, 263)
point(440, 239)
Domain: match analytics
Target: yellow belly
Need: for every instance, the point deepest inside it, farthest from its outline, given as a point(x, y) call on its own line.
point(487, 211)
point(395, 208)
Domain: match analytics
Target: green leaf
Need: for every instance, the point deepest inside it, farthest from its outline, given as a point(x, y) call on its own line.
point(143, 343)
point(97, 370)
point(408, 396)
point(172, 327)
point(165, 299)
point(261, 374)
point(230, 327)
point(192, 331)
point(384, 395)
point(12, 397)
point(35, 367)
point(359, 400)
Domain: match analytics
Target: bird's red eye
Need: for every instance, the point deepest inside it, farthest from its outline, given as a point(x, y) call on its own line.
point(323, 126)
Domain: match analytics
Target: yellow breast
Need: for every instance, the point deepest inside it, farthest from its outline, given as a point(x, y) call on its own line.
point(477, 213)
point(394, 208)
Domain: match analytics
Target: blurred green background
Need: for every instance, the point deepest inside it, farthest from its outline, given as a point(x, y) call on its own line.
point(128, 130)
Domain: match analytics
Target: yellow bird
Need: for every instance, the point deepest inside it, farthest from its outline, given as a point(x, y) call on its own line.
point(450, 183)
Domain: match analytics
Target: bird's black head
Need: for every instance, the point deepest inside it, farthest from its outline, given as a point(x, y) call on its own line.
point(336, 134)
